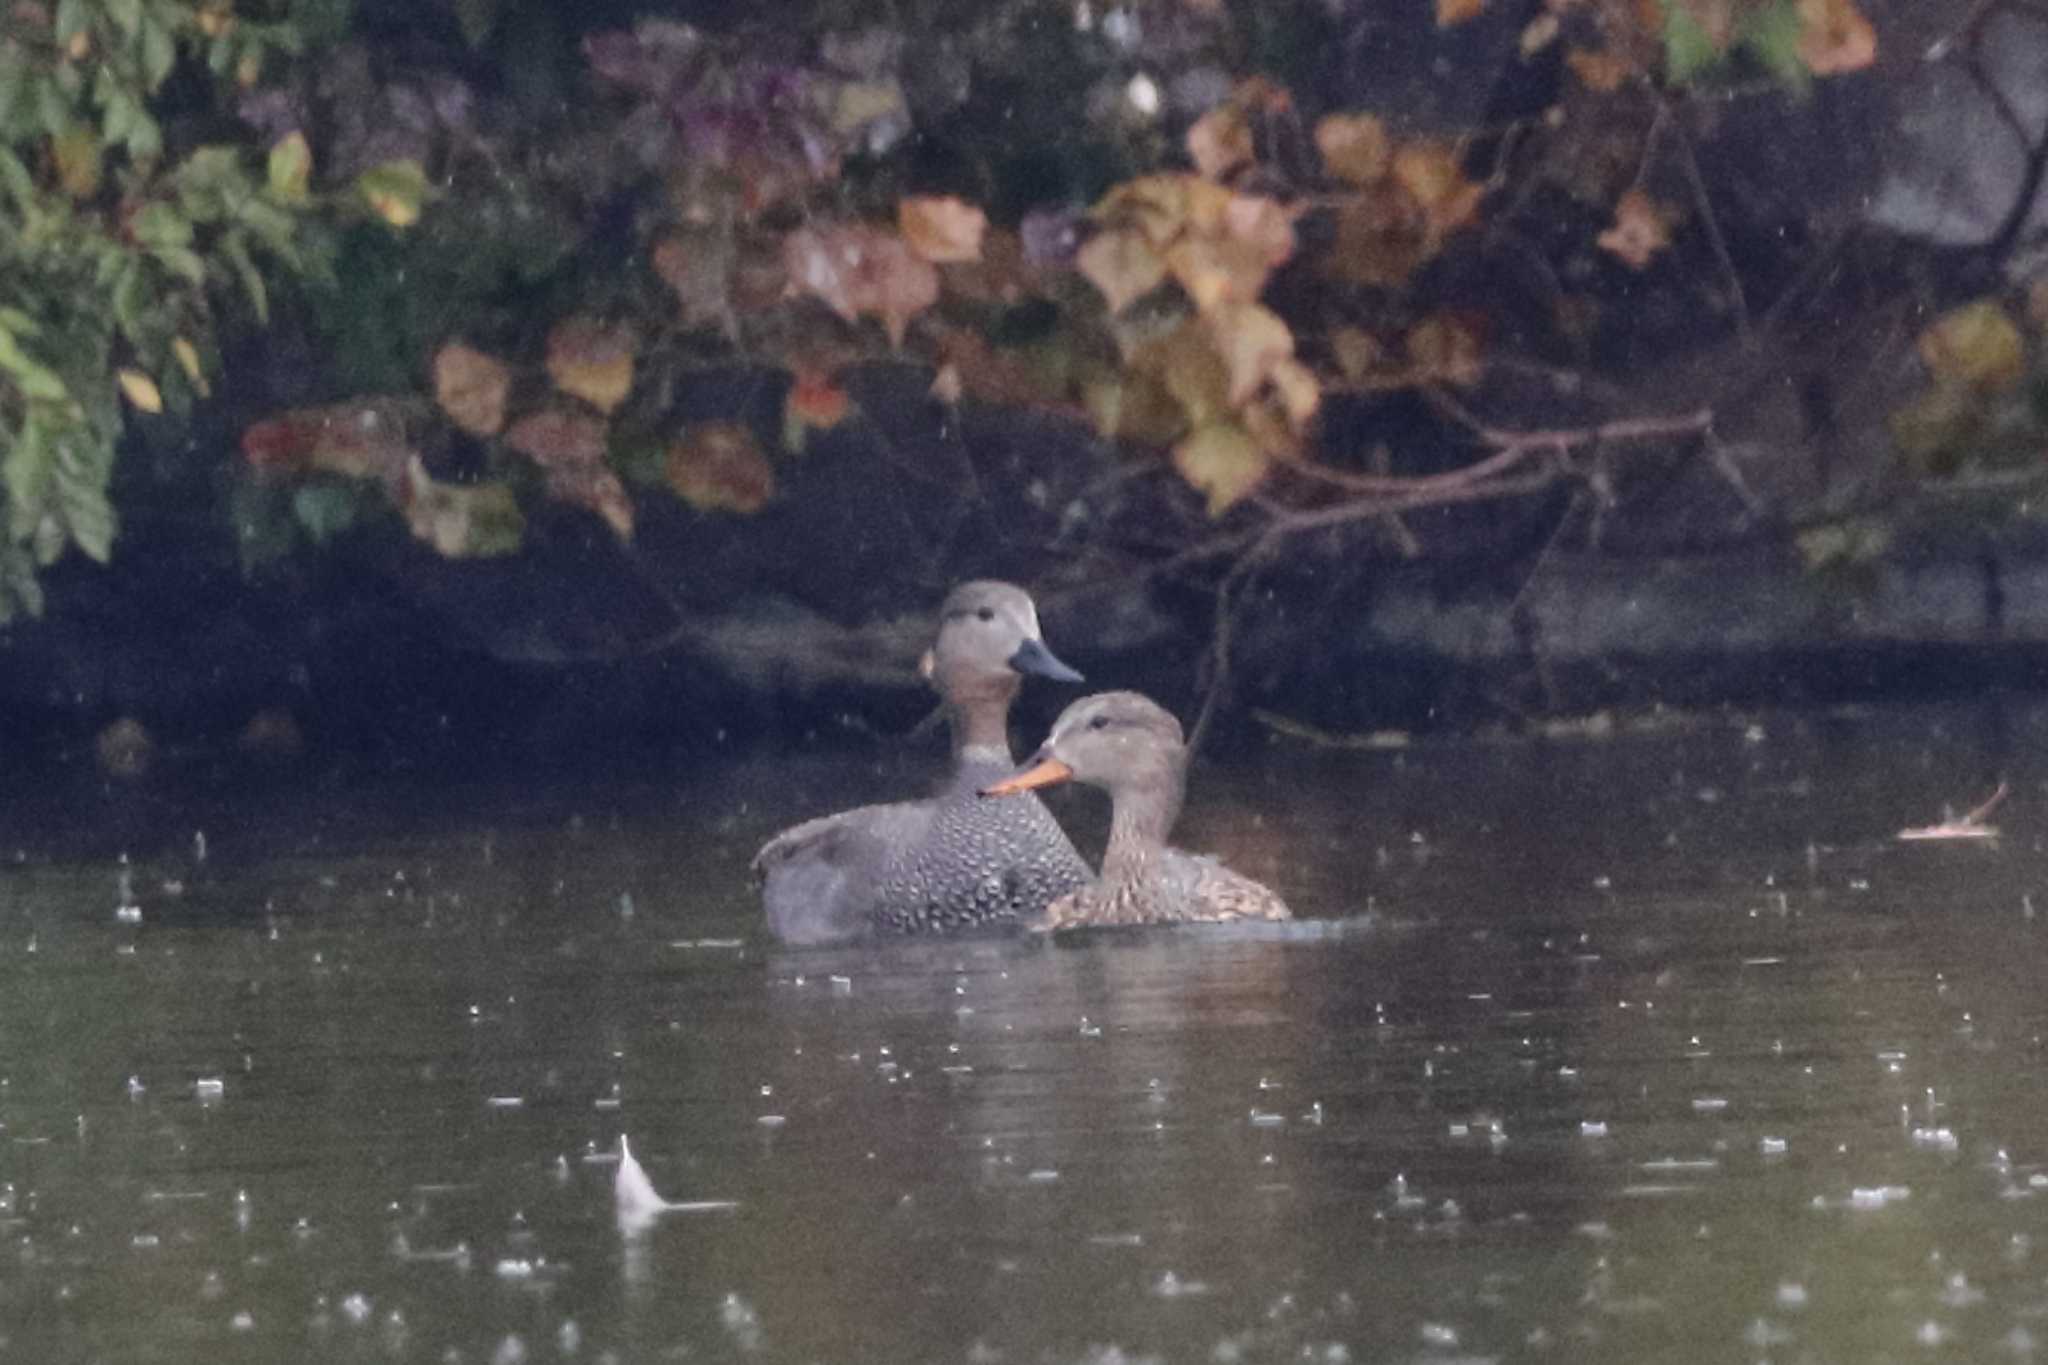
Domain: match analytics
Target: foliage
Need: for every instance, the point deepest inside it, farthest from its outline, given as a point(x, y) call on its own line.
point(1140, 218)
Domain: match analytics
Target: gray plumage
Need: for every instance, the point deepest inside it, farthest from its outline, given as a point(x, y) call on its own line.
point(953, 861)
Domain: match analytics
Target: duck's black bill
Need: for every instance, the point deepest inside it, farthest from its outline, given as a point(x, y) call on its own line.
point(1033, 657)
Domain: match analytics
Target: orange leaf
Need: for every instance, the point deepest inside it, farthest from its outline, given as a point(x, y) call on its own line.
point(1834, 37)
point(1220, 141)
point(1355, 147)
point(942, 228)
point(719, 465)
point(1122, 264)
point(591, 361)
point(1597, 69)
point(1450, 12)
point(1430, 172)
point(816, 401)
point(471, 388)
point(556, 438)
point(1223, 461)
point(1641, 230)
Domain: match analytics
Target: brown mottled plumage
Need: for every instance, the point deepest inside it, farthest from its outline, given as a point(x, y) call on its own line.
point(953, 861)
point(1132, 748)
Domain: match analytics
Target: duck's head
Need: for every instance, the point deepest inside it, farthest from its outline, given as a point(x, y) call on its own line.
point(1119, 741)
point(988, 635)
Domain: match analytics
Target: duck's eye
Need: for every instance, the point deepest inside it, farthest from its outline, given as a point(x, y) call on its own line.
point(985, 614)
point(1098, 722)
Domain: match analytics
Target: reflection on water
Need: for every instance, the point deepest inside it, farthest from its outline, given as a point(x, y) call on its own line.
point(1655, 1048)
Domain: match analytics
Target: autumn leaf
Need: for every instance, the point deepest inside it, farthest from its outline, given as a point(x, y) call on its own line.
point(1975, 347)
point(1299, 391)
point(364, 439)
point(862, 271)
point(1223, 461)
point(1354, 147)
point(1598, 69)
point(188, 360)
point(718, 465)
point(290, 167)
point(471, 388)
point(76, 152)
point(814, 403)
point(1453, 12)
point(460, 521)
point(396, 191)
point(1429, 171)
point(941, 228)
point(1641, 229)
point(557, 437)
point(1220, 141)
point(140, 390)
point(1447, 349)
point(1122, 265)
point(1251, 340)
point(1834, 37)
point(589, 360)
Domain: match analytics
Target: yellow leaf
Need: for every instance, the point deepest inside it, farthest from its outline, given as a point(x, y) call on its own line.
point(1430, 172)
point(1299, 391)
point(591, 361)
point(1355, 147)
point(942, 228)
point(718, 465)
point(395, 191)
point(1122, 264)
point(1975, 346)
point(1220, 141)
point(140, 390)
point(290, 167)
point(461, 521)
point(76, 151)
point(1189, 377)
point(471, 388)
point(188, 360)
point(1223, 461)
point(1251, 340)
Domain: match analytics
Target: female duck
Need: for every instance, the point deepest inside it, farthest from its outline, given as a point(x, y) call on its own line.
point(953, 861)
point(1132, 748)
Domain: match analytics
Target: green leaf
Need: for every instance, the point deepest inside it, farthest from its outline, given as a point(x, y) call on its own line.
point(14, 73)
point(15, 176)
point(1688, 48)
point(159, 225)
point(37, 381)
point(72, 20)
point(183, 262)
point(395, 191)
point(25, 474)
point(236, 248)
point(145, 136)
point(53, 110)
point(159, 53)
point(126, 14)
point(477, 18)
point(130, 299)
point(1771, 35)
point(326, 510)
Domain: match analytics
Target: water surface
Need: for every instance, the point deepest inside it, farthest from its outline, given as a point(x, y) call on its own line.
point(1657, 1047)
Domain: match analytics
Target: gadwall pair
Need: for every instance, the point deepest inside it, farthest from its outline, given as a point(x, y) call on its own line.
point(984, 850)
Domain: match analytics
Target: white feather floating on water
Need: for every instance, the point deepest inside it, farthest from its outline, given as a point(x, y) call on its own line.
point(638, 1204)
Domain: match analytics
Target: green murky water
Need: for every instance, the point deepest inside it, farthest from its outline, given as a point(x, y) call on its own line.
point(1651, 1048)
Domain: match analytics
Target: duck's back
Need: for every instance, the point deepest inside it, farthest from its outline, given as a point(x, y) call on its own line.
point(978, 861)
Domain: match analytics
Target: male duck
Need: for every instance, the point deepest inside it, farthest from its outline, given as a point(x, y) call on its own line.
point(1132, 748)
point(953, 861)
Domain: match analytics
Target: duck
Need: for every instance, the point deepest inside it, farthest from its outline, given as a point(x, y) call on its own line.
point(1131, 747)
point(952, 861)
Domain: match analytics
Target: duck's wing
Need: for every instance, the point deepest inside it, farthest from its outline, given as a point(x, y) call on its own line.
point(1213, 892)
point(817, 878)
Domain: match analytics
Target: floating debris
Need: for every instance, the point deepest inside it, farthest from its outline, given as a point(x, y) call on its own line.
point(638, 1204)
point(1969, 826)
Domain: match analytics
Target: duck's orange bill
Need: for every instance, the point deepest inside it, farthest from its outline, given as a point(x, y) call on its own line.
point(1046, 774)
